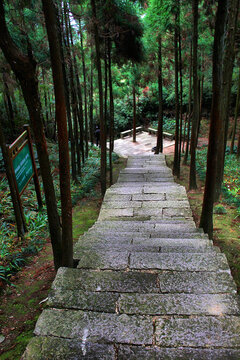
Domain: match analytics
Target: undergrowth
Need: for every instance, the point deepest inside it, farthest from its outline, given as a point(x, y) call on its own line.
point(13, 250)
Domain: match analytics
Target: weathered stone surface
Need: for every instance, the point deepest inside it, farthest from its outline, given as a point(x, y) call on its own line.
point(166, 243)
point(180, 262)
point(108, 213)
point(92, 326)
point(166, 204)
point(154, 353)
point(102, 281)
point(179, 304)
point(78, 299)
point(148, 212)
point(196, 282)
point(51, 348)
point(111, 197)
point(177, 212)
point(103, 260)
point(203, 331)
point(121, 204)
point(149, 197)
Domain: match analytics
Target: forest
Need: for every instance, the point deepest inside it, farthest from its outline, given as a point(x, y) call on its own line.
point(70, 66)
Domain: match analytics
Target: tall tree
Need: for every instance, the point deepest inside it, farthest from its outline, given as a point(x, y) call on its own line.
point(195, 118)
point(176, 163)
point(100, 89)
point(226, 12)
point(24, 68)
point(50, 13)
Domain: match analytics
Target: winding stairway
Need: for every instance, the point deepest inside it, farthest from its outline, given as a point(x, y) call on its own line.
point(148, 284)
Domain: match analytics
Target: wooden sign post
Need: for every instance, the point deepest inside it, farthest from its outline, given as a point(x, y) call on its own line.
point(23, 167)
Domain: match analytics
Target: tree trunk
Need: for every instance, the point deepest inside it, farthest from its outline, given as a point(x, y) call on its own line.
point(111, 127)
point(195, 118)
point(50, 14)
point(235, 116)
point(102, 124)
point(176, 168)
point(91, 103)
point(228, 43)
point(9, 107)
point(159, 147)
point(134, 112)
point(181, 98)
point(217, 126)
point(73, 89)
point(24, 68)
point(85, 88)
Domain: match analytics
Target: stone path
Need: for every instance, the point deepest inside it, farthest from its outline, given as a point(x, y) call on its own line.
point(148, 284)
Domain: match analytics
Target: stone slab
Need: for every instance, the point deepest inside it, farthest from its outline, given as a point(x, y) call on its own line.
point(179, 304)
point(106, 281)
point(170, 243)
point(51, 348)
point(111, 197)
point(121, 205)
point(108, 213)
point(196, 282)
point(95, 327)
point(165, 204)
point(155, 353)
point(149, 197)
point(203, 331)
point(103, 260)
point(179, 262)
point(83, 300)
point(177, 212)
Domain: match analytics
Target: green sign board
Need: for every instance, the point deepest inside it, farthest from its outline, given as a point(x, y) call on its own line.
point(23, 168)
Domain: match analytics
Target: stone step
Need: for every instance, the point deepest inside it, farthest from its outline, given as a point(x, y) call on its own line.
point(178, 262)
point(78, 250)
point(145, 282)
point(94, 326)
point(198, 331)
point(107, 259)
point(145, 304)
point(50, 348)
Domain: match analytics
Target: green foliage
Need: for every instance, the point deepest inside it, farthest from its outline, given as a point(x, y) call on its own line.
point(219, 209)
point(13, 251)
point(231, 181)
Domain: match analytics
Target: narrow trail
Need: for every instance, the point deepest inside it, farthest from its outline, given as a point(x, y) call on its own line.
point(148, 284)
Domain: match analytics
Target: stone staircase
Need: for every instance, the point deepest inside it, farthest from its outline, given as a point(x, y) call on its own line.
point(148, 284)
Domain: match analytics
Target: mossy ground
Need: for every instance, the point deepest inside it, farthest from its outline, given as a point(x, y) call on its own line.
point(21, 303)
point(226, 224)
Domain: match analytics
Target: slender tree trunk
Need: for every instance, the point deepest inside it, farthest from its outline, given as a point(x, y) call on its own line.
point(9, 106)
point(181, 98)
point(85, 88)
point(134, 112)
point(238, 146)
point(67, 100)
point(235, 116)
point(24, 68)
point(176, 168)
point(159, 147)
point(50, 14)
point(226, 9)
point(102, 124)
point(72, 71)
point(226, 83)
point(91, 103)
point(195, 118)
point(111, 127)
